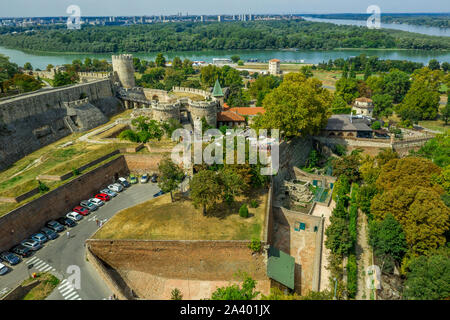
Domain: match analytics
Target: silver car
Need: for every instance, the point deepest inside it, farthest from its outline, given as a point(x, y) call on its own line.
point(3, 269)
point(31, 244)
point(109, 192)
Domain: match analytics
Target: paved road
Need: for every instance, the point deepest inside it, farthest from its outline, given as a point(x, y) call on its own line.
point(59, 254)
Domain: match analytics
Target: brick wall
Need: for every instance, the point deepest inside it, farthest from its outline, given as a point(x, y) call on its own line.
point(16, 225)
point(194, 260)
point(140, 164)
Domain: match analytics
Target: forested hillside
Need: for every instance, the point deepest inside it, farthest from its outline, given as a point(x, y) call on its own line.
point(216, 36)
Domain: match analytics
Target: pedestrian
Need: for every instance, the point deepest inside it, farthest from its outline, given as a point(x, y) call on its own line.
point(101, 222)
point(98, 223)
point(68, 234)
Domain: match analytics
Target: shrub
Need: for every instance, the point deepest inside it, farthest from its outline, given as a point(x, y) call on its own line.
point(376, 125)
point(43, 187)
point(255, 245)
point(253, 203)
point(352, 276)
point(176, 294)
point(243, 211)
point(340, 150)
point(344, 110)
point(75, 171)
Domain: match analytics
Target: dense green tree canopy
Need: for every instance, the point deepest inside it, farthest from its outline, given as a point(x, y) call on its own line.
point(298, 107)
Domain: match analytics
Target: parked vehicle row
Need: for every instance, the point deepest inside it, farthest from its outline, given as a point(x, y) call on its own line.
point(52, 228)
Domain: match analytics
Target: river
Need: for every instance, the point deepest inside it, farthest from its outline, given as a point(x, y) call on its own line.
point(41, 60)
point(431, 31)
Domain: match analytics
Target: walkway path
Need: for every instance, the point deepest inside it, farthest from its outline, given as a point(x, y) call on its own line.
point(363, 256)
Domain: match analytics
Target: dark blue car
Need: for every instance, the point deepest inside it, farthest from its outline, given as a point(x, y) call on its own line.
point(10, 258)
point(49, 233)
point(160, 193)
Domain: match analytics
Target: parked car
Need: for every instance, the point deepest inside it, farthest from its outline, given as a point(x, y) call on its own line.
point(103, 196)
point(10, 258)
point(144, 178)
point(31, 244)
point(3, 269)
point(116, 187)
point(74, 216)
point(160, 193)
point(154, 178)
point(88, 205)
point(49, 233)
point(22, 251)
point(109, 192)
point(67, 222)
point(124, 182)
point(133, 179)
point(39, 237)
point(55, 226)
point(81, 210)
point(97, 202)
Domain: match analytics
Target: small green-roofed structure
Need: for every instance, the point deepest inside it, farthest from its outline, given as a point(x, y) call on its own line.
point(217, 92)
point(280, 267)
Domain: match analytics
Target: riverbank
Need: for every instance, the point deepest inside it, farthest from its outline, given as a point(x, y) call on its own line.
point(42, 59)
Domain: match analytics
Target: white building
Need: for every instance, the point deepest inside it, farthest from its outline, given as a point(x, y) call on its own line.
point(274, 67)
point(363, 106)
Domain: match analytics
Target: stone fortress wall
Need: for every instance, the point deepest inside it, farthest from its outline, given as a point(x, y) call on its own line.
point(33, 120)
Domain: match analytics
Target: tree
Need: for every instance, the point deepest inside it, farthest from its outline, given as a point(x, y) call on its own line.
point(177, 64)
point(23, 82)
point(28, 66)
point(445, 66)
point(347, 88)
point(235, 58)
point(262, 86)
point(388, 240)
point(234, 292)
point(422, 100)
point(396, 83)
point(445, 112)
point(429, 276)
point(205, 189)
point(348, 166)
point(383, 104)
point(232, 184)
point(437, 150)
point(171, 176)
point(49, 67)
point(338, 236)
point(376, 125)
point(64, 78)
point(434, 64)
point(160, 60)
point(298, 107)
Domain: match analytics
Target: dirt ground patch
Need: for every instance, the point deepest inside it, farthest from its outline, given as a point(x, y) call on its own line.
point(160, 219)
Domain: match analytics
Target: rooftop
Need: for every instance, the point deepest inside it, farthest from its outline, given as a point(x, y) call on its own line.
point(280, 267)
point(247, 111)
point(229, 116)
point(217, 91)
point(345, 122)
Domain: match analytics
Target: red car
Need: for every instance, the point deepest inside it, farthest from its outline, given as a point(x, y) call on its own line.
point(81, 210)
point(103, 196)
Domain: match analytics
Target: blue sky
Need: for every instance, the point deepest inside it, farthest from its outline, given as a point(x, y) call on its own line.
point(16, 8)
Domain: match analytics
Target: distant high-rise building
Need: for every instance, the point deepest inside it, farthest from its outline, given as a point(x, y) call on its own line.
point(219, 18)
point(274, 67)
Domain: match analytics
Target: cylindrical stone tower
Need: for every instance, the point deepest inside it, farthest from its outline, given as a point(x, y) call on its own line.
point(124, 70)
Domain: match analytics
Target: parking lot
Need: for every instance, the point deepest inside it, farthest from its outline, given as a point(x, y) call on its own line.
point(64, 254)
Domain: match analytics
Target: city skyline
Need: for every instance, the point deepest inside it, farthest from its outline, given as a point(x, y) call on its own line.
point(53, 8)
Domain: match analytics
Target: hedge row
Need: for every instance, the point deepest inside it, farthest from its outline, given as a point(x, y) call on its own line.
point(352, 276)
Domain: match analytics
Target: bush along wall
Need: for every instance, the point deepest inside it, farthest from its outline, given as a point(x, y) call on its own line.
point(352, 268)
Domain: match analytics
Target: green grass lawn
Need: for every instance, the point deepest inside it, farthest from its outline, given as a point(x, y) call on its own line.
point(159, 219)
point(48, 283)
